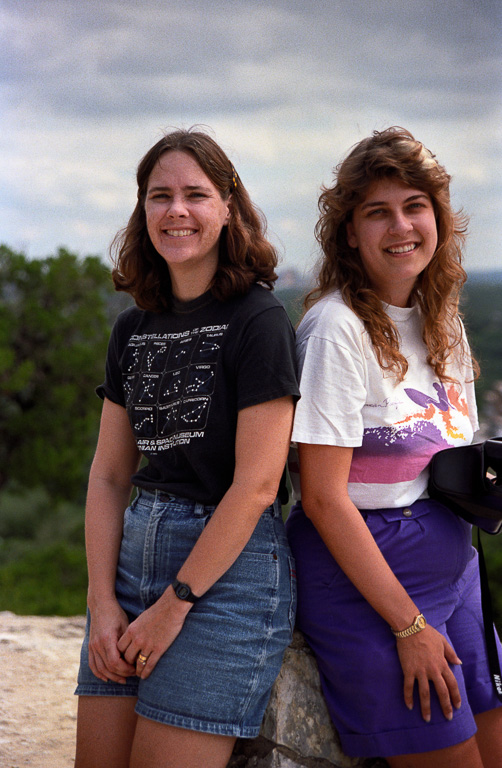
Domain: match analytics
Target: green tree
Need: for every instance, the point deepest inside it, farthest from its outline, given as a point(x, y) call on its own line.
point(53, 335)
point(481, 303)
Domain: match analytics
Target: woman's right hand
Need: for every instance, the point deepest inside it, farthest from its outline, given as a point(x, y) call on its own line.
point(108, 624)
point(425, 657)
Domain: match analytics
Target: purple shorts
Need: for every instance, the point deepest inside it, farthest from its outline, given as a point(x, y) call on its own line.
point(430, 552)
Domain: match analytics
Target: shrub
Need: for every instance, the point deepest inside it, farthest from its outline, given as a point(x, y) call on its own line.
point(45, 582)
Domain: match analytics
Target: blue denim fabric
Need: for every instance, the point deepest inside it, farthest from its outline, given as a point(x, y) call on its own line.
point(217, 675)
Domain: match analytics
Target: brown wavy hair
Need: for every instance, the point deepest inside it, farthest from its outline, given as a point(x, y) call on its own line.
point(245, 255)
point(395, 153)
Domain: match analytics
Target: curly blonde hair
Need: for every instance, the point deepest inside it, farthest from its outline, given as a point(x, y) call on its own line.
point(395, 153)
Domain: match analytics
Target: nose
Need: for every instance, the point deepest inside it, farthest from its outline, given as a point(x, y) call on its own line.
point(400, 224)
point(177, 207)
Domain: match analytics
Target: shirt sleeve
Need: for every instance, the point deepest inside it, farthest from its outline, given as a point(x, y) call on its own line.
point(333, 393)
point(266, 359)
point(112, 387)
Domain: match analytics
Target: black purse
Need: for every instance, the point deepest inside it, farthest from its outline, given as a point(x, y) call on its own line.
point(468, 480)
point(462, 479)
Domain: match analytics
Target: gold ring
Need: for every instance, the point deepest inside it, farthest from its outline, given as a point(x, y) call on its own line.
point(142, 659)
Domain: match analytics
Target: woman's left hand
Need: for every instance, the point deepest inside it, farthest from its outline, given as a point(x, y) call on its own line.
point(151, 634)
point(426, 657)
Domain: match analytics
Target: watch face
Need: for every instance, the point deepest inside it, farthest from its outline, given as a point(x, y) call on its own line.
point(421, 622)
point(182, 591)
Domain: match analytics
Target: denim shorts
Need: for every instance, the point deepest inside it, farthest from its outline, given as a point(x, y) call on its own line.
point(429, 550)
point(217, 675)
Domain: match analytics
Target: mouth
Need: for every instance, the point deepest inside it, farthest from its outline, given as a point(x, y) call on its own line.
point(179, 232)
point(399, 249)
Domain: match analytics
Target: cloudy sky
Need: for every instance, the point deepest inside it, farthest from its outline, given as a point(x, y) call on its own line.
point(286, 87)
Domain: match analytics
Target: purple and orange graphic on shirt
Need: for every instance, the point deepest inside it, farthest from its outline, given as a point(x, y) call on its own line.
point(400, 452)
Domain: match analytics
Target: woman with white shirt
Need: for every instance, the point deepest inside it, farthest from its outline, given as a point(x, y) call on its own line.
point(388, 582)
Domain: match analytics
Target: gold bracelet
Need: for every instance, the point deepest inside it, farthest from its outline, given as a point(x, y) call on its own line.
point(418, 624)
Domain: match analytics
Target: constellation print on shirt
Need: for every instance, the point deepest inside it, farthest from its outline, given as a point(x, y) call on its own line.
point(143, 422)
point(168, 384)
point(147, 389)
point(168, 416)
point(171, 387)
point(181, 353)
point(128, 384)
point(156, 356)
point(132, 358)
point(200, 380)
point(207, 348)
point(194, 412)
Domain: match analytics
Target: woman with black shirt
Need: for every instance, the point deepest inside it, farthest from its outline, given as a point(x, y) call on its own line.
point(191, 589)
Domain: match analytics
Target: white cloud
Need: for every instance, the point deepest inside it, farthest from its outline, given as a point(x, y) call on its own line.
point(286, 87)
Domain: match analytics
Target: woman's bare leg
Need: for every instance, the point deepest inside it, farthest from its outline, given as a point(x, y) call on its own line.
point(105, 731)
point(463, 755)
point(163, 746)
point(489, 737)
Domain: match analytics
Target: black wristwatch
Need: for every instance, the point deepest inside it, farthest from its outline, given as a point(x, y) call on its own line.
point(184, 592)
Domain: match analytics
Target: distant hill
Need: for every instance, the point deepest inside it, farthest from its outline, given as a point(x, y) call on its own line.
point(290, 277)
point(481, 305)
point(485, 276)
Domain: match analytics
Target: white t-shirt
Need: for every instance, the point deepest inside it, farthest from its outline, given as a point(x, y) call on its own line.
point(348, 400)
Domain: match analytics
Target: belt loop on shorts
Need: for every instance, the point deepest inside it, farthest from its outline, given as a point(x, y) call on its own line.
point(276, 508)
point(156, 500)
point(199, 509)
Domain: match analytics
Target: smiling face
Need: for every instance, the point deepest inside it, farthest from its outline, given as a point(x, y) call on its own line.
point(185, 215)
point(394, 229)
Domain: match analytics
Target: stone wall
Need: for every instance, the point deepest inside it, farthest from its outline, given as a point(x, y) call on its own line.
point(297, 731)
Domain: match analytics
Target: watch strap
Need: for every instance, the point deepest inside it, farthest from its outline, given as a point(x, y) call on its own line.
point(419, 623)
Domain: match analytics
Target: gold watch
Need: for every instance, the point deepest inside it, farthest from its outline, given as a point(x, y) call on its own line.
point(419, 623)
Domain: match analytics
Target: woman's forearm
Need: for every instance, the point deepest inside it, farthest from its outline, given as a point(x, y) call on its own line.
point(109, 491)
point(224, 537)
point(324, 472)
point(105, 507)
point(262, 441)
point(349, 540)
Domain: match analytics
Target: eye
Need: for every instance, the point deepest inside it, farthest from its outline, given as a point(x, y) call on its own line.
point(159, 196)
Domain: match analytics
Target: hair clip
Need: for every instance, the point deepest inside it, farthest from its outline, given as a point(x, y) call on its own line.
point(234, 177)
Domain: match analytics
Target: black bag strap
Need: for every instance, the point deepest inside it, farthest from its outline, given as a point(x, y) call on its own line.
point(486, 604)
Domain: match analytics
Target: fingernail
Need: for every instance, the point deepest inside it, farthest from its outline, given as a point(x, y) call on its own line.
point(449, 716)
point(427, 718)
point(457, 706)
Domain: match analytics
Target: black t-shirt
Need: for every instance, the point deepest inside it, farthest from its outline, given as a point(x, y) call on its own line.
point(184, 374)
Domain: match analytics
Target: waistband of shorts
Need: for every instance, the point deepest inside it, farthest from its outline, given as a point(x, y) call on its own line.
point(415, 509)
point(418, 508)
point(156, 496)
point(164, 497)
